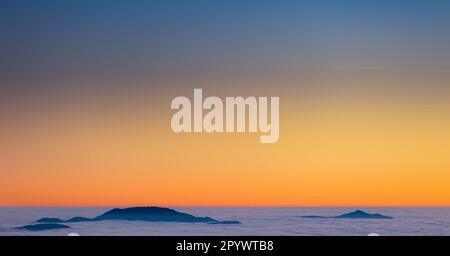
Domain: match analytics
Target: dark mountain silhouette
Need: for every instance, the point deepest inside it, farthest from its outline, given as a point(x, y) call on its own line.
point(151, 214)
point(78, 219)
point(362, 215)
point(352, 215)
point(40, 227)
point(49, 220)
point(154, 214)
point(57, 220)
point(226, 222)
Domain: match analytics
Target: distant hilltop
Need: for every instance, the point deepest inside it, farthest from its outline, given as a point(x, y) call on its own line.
point(137, 213)
point(358, 214)
point(41, 227)
point(152, 214)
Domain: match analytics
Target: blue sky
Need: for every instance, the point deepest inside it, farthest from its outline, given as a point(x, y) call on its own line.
point(90, 38)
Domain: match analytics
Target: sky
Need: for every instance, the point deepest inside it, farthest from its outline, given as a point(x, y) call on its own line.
point(86, 87)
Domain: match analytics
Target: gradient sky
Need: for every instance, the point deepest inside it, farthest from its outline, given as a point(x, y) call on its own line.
point(86, 86)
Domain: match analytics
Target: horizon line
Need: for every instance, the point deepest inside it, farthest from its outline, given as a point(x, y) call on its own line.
point(230, 206)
